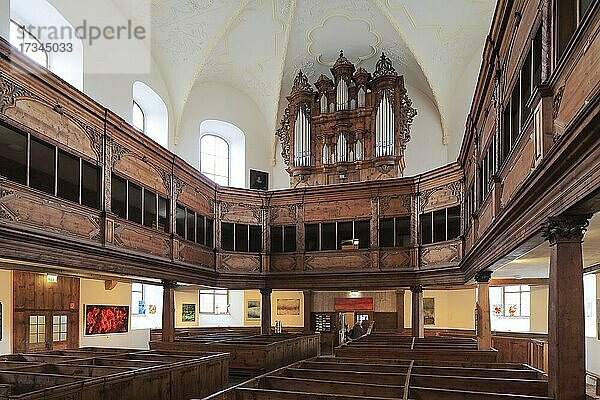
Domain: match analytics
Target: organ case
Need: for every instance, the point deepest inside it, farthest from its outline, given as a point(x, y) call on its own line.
point(354, 127)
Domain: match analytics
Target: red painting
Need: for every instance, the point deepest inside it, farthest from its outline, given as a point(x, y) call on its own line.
point(100, 320)
point(354, 304)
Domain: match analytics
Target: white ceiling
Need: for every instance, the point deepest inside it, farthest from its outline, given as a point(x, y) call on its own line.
point(535, 263)
point(258, 46)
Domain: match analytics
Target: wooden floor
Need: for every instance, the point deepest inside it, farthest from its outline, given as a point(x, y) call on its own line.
point(370, 369)
point(99, 374)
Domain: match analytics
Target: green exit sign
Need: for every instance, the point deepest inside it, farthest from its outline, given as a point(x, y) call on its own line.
point(51, 278)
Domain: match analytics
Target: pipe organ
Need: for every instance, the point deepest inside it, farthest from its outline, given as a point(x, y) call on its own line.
point(354, 127)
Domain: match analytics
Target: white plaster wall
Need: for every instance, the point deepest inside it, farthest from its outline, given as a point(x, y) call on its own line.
point(539, 309)
point(219, 101)
point(93, 292)
point(6, 296)
point(454, 309)
point(425, 151)
point(592, 344)
point(152, 296)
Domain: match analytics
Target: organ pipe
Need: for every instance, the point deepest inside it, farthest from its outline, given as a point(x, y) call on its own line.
point(342, 95)
point(384, 128)
point(361, 97)
point(302, 138)
point(342, 148)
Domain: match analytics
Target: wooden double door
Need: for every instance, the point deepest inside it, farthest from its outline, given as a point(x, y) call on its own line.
point(45, 314)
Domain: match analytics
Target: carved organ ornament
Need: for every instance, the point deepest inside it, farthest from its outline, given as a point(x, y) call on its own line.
point(354, 127)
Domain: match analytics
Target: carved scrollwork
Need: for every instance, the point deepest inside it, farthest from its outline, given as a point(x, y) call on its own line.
point(384, 67)
point(117, 150)
point(301, 83)
point(10, 91)
point(94, 135)
point(178, 185)
point(565, 228)
point(556, 100)
point(408, 115)
point(283, 133)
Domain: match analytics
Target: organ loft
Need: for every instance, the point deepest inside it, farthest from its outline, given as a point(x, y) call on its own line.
point(354, 127)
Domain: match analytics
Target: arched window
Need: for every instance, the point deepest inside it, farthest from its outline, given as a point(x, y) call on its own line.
point(150, 114)
point(28, 44)
point(214, 158)
point(139, 119)
point(226, 142)
point(30, 21)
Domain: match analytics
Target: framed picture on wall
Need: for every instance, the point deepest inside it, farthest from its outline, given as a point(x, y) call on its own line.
point(259, 180)
point(188, 312)
point(253, 309)
point(288, 306)
point(429, 310)
point(101, 319)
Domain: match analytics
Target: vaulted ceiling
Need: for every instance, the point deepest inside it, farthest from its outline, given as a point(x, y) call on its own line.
point(258, 46)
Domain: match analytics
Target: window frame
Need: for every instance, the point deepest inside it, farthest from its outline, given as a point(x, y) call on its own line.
point(135, 106)
point(432, 231)
point(212, 176)
point(337, 243)
point(135, 307)
point(25, 32)
point(207, 228)
point(505, 310)
point(214, 294)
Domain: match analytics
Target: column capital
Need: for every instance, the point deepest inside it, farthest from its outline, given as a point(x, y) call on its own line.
point(166, 283)
point(483, 276)
point(266, 291)
point(416, 289)
point(565, 228)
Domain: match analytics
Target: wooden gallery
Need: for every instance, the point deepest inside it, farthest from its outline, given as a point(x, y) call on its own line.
point(299, 199)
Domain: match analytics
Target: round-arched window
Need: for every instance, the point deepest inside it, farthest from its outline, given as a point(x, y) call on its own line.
point(28, 44)
point(214, 158)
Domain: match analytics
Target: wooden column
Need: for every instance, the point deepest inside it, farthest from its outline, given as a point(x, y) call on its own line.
point(265, 311)
point(308, 305)
point(418, 321)
point(168, 311)
point(566, 346)
point(400, 310)
point(484, 329)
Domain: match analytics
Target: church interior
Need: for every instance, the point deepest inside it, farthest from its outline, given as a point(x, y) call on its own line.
point(299, 199)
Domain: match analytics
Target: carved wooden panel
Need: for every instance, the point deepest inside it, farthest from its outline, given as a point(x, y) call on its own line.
point(198, 197)
point(515, 174)
point(396, 205)
point(337, 210)
point(337, 261)
point(581, 80)
point(195, 254)
point(440, 254)
point(50, 119)
point(239, 262)
point(397, 258)
point(30, 208)
point(284, 262)
point(441, 197)
point(284, 214)
point(240, 212)
point(142, 170)
point(139, 238)
point(486, 213)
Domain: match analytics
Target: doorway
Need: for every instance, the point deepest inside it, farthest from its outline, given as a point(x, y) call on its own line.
point(45, 313)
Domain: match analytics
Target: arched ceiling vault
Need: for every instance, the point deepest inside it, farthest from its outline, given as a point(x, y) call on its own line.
point(257, 46)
